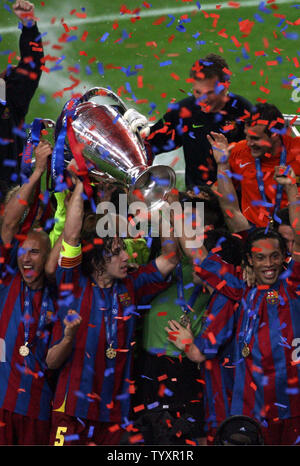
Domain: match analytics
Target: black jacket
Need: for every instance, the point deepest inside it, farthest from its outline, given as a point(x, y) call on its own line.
point(187, 127)
point(21, 84)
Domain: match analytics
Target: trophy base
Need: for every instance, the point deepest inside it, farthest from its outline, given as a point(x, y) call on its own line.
point(152, 185)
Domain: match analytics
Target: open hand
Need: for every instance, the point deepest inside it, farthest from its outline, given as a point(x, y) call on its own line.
point(219, 146)
point(180, 336)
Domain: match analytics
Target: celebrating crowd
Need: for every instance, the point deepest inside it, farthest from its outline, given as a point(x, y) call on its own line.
point(121, 340)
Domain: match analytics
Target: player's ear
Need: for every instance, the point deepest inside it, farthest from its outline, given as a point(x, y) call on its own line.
point(250, 260)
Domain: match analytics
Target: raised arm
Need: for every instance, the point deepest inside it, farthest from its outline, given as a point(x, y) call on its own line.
point(286, 177)
point(170, 254)
point(183, 339)
point(75, 210)
point(228, 200)
point(17, 205)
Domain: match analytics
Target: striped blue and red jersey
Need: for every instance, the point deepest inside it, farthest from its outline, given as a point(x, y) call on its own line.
point(91, 386)
point(266, 383)
point(25, 383)
point(216, 343)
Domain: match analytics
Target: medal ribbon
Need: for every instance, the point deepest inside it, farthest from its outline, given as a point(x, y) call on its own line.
point(28, 313)
point(261, 186)
point(251, 314)
point(110, 320)
point(180, 291)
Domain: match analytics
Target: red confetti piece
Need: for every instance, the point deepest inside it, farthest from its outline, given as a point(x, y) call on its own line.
point(84, 36)
point(252, 385)
point(114, 428)
point(175, 76)
point(235, 41)
point(135, 438)
point(212, 338)
point(140, 82)
point(265, 89)
point(221, 284)
point(159, 21)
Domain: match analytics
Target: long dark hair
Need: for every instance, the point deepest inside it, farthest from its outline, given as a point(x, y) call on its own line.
point(97, 252)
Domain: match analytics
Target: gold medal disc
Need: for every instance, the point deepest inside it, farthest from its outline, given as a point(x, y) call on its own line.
point(185, 320)
point(24, 350)
point(246, 351)
point(111, 353)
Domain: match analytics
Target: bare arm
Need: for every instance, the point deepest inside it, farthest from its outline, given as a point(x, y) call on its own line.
point(228, 200)
point(75, 210)
point(169, 257)
point(183, 339)
point(287, 178)
point(18, 204)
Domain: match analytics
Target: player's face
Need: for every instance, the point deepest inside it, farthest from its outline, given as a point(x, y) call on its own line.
point(211, 95)
point(117, 265)
point(32, 257)
point(266, 260)
point(259, 142)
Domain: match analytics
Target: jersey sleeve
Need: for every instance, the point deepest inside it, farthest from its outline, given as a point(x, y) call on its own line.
point(68, 263)
point(148, 282)
point(222, 276)
point(219, 325)
point(22, 81)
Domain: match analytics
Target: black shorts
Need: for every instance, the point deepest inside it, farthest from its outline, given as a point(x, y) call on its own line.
point(173, 384)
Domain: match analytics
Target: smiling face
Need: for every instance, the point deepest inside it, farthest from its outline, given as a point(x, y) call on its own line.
point(32, 256)
point(260, 142)
point(267, 260)
point(211, 95)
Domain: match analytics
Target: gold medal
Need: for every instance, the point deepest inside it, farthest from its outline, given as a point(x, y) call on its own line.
point(246, 351)
point(24, 350)
point(185, 320)
point(111, 352)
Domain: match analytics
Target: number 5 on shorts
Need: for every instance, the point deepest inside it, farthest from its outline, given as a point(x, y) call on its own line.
point(60, 438)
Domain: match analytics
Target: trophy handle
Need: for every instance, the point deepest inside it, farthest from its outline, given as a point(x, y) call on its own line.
point(105, 94)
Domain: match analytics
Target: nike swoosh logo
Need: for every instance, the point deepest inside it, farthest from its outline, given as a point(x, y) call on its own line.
point(197, 126)
point(242, 165)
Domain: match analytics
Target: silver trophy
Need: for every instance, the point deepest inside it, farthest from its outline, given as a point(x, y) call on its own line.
point(116, 151)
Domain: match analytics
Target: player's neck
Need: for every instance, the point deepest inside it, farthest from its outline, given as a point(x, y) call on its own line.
point(104, 280)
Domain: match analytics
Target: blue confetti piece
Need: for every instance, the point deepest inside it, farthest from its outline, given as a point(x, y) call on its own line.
point(104, 37)
point(88, 70)
point(71, 38)
point(263, 9)
point(91, 431)
point(291, 35)
point(171, 22)
point(100, 68)
point(165, 63)
point(9, 163)
point(153, 405)
point(109, 372)
point(7, 7)
point(258, 18)
point(116, 118)
point(42, 99)
point(168, 392)
point(70, 438)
